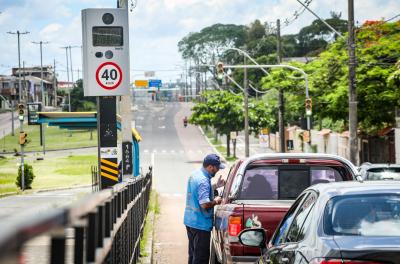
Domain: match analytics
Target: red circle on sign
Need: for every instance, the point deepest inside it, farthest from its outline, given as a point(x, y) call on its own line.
point(97, 75)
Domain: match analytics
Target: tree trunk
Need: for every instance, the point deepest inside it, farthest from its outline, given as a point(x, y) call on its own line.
point(228, 145)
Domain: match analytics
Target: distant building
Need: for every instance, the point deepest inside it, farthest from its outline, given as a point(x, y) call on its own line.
point(31, 83)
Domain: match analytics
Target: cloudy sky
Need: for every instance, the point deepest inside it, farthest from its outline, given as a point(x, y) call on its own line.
point(156, 26)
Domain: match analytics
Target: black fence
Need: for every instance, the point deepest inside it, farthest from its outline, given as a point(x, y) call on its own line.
point(95, 179)
point(107, 227)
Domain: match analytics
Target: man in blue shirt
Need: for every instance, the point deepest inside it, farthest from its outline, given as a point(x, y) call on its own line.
point(199, 211)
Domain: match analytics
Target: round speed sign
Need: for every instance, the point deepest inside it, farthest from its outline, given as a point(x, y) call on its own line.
point(109, 75)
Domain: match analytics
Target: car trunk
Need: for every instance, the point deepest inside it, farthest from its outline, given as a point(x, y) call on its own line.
point(266, 214)
point(380, 249)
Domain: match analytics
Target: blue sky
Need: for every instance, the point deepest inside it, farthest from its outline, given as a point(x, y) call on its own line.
point(155, 26)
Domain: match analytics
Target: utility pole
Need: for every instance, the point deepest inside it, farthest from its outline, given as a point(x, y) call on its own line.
point(127, 117)
point(40, 43)
point(353, 121)
point(246, 113)
point(18, 33)
point(26, 93)
point(69, 89)
point(281, 95)
point(55, 84)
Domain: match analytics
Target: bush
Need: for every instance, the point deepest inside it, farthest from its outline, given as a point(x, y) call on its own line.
point(28, 176)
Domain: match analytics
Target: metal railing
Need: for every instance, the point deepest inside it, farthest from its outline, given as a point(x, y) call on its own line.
point(95, 178)
point(107, 226)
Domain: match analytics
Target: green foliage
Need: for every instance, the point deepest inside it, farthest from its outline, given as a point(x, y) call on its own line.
point(209, 44)
point(79, 102)
point(28, 176)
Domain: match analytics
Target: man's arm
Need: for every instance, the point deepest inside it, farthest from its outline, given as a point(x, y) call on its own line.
point(211, 204)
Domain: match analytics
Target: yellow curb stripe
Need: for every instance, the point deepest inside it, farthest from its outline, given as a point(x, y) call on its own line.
point(109, 170)
point(115, 165)
point(109, 176)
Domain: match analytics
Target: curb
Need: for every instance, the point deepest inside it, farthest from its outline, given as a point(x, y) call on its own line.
point(47, 150)
point(212, 146)
point(43, 190)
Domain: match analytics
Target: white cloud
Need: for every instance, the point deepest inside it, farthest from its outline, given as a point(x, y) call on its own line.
point(51, 29)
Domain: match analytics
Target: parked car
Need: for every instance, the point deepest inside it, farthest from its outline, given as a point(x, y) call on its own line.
point(349, 223)
point(259, 191)
point(381, 171)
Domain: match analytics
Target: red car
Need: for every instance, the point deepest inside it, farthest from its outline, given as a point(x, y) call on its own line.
point(260, 190)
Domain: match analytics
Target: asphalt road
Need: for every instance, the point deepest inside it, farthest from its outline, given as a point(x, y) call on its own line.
point(174, 152)
point(5, 123)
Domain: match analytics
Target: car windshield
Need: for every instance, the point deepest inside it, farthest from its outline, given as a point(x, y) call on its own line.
point(284, 182)
point(383, 174)
point(363, 215)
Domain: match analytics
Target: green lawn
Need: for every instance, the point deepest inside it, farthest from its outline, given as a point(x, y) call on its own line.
point(50, 172)
point(55, 138)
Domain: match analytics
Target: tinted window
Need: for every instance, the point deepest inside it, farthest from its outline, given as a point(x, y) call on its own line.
point(293, 182)
point(302, 220)
point(283, 182)
point(383, 174)
point(363, 215)
point(281, 231)
point(260, 183)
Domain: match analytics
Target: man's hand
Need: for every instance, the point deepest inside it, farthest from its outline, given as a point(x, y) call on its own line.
point(217, 200)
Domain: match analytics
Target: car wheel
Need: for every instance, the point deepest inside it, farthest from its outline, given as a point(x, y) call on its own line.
point(213, 255)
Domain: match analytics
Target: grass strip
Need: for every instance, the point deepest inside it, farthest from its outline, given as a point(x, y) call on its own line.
point(55, 138)
point(50, 173)
point(154, 209)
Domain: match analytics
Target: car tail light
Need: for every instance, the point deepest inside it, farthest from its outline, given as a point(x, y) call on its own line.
point(294, 161)
point(339, 261)
point(235, 225)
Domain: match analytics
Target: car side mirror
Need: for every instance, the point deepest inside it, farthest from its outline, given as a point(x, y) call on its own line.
point(253, 237)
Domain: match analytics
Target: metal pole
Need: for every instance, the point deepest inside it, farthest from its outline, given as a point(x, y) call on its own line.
point(41, 74)
point(55, 84)
point(24, 86)
point(281, 121)
point(72, 70)
point(21, 129)
point(127, 117)
point(19, 70)
point(353, 142)
point(246, 113)
point(12, 118)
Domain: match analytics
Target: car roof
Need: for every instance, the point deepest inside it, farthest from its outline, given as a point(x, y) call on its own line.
point(356, 187)
point(379, 165)
point(322, 156)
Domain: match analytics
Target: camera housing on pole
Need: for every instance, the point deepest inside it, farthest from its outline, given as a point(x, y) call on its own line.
point(105, 36)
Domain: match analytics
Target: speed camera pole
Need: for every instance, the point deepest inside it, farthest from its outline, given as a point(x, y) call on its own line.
point(126, 117)
point(106, 75)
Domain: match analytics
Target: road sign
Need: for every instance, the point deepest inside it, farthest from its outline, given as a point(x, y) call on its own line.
point(155, 83)
point(109, 75)
point(142, 83)
point(105, 37)
point(33, 116)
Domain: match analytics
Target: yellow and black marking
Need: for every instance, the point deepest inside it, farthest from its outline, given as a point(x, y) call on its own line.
point(109, 172)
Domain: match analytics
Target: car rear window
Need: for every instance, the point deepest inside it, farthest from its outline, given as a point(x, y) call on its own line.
point(284, 182)
point(363, 215)
point(383, 174)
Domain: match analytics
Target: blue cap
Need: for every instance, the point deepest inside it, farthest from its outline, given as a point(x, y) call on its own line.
point(214, 160)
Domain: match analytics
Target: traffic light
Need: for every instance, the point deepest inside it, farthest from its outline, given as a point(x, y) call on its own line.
point(308, 106)
point(220, 70)
point(21, 111)
point(22, 138)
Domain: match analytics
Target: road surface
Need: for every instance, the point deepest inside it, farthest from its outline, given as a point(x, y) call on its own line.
point(175, 152)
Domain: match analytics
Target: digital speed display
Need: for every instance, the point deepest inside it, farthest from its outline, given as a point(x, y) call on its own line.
point(107, 36)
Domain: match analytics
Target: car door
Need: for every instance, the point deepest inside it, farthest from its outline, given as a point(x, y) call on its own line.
point(286, 248)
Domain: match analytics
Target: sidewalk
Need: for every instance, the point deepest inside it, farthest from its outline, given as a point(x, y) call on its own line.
point(254, 147)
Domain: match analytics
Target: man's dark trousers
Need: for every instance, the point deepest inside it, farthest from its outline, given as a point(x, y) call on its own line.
point(199, 245)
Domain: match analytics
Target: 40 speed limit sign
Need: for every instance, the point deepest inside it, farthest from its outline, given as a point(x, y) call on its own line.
point(109, 75)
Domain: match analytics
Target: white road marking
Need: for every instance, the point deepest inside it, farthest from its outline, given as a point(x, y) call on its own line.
point(164, 151)
point(161, 118)
point(146, 151)
point(140, 118)
point(139, 127)
point(161, 127)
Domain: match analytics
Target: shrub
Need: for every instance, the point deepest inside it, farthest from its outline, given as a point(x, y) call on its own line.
point(28, 176)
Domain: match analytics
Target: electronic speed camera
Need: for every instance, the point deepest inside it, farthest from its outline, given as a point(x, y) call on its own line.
point(105, 37)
